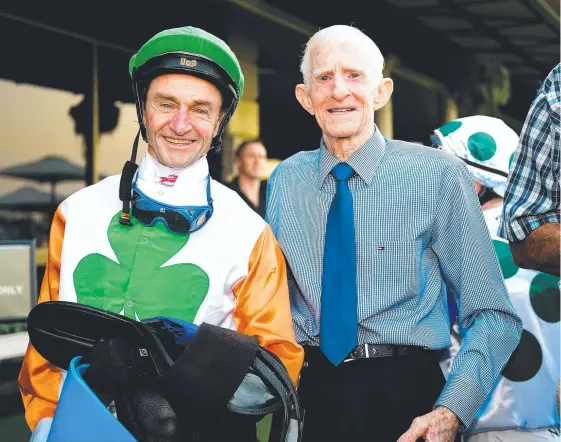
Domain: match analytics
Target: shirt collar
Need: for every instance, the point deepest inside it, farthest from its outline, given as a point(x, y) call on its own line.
point(152, 171)
point(184, 186)
point(364, 160)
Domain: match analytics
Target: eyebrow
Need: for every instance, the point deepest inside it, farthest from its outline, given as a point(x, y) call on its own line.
point(162, 96)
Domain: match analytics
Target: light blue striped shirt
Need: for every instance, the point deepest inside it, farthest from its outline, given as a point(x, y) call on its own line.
point(419, 232)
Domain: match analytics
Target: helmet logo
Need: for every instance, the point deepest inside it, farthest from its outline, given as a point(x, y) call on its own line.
point(188, 63)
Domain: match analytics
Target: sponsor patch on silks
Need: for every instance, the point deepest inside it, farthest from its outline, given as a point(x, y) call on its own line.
point(168, 181)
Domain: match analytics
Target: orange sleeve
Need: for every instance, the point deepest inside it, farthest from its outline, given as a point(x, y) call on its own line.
point(39, 380)
point(263, 306)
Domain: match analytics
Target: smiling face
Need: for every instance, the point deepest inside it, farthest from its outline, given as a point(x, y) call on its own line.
point(344, 90)
point(182, 115)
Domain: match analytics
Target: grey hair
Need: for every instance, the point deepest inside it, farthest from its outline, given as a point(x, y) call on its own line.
point(340, 34)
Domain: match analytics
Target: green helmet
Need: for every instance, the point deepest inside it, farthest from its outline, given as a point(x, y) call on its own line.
point(191, 51)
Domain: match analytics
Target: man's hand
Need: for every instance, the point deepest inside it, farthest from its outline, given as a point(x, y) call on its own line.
point(440, 425)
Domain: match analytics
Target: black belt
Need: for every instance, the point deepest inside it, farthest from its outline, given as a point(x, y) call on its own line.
point(365, 351)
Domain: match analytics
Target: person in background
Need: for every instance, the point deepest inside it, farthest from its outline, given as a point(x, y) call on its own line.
point(376, 233)
point(521, 407)
point(530, 221)
point(251, 158)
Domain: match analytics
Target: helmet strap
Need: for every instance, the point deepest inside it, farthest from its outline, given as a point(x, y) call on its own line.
point(217, 140)
point(139, 112)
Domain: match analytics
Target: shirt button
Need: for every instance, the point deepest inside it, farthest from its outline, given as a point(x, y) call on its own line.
point(161, 192)
point(129, 303)
point(144, 240)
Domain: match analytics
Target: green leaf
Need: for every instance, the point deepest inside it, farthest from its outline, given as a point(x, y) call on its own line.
point(179, 290)
point(100, 282)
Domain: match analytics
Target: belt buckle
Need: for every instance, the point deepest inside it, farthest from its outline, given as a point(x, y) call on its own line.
point(370, 350)
point(353, 358)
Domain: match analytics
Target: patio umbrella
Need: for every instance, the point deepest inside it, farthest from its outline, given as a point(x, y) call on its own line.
point(49, 169)
point(29, 199)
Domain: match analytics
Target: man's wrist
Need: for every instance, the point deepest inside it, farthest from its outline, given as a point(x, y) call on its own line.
point(446, 411)
point(448, 415)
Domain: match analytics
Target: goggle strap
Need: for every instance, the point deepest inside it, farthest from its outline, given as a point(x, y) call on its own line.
point(125, 187)
point(208, 195)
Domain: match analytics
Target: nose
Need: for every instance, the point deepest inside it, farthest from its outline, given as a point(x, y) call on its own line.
point(340, 88)
point(181, 121)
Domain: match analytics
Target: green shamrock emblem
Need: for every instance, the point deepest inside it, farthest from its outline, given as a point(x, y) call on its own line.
point(138, 285)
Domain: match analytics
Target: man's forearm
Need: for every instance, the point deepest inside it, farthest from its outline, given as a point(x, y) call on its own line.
point(539, 250)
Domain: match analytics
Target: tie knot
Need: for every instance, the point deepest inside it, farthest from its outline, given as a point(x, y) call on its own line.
point(342, 172)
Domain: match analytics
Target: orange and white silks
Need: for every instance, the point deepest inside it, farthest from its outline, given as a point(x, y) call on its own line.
point(234, 259)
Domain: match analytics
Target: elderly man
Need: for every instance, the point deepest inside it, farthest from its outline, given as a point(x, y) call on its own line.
point(376, 233)
point(531, 217)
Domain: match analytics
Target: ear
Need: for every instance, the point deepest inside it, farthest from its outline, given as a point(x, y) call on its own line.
point(143, 110)
point(144, 102)
point(383, 93)
point(304, 98)
point(144, 116)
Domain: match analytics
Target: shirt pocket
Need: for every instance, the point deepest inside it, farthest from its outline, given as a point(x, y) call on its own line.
point(393, 272)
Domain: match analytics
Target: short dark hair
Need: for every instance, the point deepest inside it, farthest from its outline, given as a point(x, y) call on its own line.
point(245, 143)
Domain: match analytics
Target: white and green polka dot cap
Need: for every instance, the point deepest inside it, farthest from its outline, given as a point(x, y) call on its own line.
point(487, 144)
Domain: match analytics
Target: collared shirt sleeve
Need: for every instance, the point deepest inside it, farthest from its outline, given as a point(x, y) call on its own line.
point(532, 194)
point(263, 307)
point(39, 380)
point(472, 275)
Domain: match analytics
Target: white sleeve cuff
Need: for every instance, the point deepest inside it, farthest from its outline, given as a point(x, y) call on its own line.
point(42, 429)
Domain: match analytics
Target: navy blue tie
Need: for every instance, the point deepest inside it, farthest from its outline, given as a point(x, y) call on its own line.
point(338, 319)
